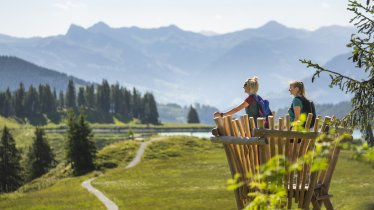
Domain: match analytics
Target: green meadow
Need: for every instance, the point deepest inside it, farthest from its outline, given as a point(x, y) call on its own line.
point(175, 173)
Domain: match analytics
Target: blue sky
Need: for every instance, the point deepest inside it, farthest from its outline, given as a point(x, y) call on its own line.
point(26, 18)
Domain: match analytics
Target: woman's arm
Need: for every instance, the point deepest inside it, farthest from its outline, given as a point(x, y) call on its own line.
point(232, 111)
point(297, 111)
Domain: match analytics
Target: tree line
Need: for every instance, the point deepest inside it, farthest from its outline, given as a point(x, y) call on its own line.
point(101, 102)
point(39, 158)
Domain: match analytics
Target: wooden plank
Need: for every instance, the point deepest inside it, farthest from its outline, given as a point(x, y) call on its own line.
point(220, 127)
point(246, 125)
point(239, 203)
point(310, 147)
point(316, 125)
point(287, 123)
point(284, 134)
point(272, 141)
point(238, 140)
point(280, 140)
point(293, 148)
point(260, 125)
point(309, 193)
point(324, 129)
point(301, 153)
point(308, 122)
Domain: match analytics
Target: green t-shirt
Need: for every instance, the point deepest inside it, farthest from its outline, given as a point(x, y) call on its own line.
point(295, 102)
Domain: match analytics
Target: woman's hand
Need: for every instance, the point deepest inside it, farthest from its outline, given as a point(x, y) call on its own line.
point(217, 114)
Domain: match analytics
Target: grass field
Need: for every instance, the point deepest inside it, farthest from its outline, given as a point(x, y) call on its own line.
point(187, 173)
point(177, 173)
point(60, 192)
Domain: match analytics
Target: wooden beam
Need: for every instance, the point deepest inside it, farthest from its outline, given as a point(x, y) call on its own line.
point(284, 134)
point(238, 140)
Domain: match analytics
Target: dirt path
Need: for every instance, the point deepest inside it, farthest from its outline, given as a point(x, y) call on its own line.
point(110, 205)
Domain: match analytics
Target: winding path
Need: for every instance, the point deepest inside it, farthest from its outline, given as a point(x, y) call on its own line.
point(110, 205)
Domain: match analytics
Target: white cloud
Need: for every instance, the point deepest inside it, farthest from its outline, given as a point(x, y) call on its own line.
point(69, 4)
point(325, 5)
point(218, 17)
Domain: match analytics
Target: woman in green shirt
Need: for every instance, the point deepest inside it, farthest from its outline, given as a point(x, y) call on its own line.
point(298, 91)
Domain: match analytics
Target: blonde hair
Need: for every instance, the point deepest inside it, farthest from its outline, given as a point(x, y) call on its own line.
point(252, 83)
point(299, 85)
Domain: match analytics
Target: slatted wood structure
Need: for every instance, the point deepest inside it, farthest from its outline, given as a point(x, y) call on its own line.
point(248, 146)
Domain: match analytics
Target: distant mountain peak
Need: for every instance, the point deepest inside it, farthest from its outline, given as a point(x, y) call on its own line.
point(171, 27)
point(99, 26)
point(76, 32)
point(273, 25)
point(75, 29)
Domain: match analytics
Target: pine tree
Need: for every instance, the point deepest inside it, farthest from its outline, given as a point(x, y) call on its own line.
point(116, 98)
point(10, 169)
point(19, 100)
point(150, 109)
point(31, 101)
point(81, 98)
point(126, 103)
point(40, 157)
point(103, 97)
point(47, 100)
point(136, 102)
point(70, 96)
point(61, 100)
point(362, 115)
point(8, 104)
point(81, 149)
point(192, 116)
point(90, 97)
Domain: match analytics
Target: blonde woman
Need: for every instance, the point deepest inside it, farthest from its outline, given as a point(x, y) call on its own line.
point(250, 104)
point(300, 104)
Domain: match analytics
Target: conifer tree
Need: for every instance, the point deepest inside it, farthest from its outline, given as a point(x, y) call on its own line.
point(81, 98)
point(362, 46)
point(8, 104)
point(19, 100)
point(70, 96)
point(31, 101)
point(40, 157)
point(10, 169)
point(192, 116)
point(150, 109)
point(81, 150)
point(90, 97)
point(61, 100)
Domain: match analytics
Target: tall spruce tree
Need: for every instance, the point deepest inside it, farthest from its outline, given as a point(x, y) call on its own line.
point(361, 43)
point(31, 101)
point(19, 101)
point(150, 114)
point(81, 97)
point(10, 169)
point(8, 104)
point(61, 100)
point(81, 150)
point(103, 97)
point(40, 157)
point(70, 96)
point(116, 98)
point(90, 97)
point(192, 116)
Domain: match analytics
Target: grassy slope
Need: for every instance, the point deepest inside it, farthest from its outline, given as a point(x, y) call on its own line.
point(352, 184)
point(191, 174)
point(179, 173)
point(183, 173)
point(66, 193)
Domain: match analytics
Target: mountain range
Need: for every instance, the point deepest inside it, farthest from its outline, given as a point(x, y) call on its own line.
point(184, 67)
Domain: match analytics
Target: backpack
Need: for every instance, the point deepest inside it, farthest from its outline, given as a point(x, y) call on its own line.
point(308, 107)
point(263, 108)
